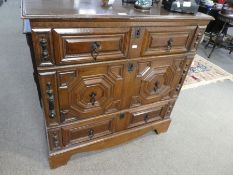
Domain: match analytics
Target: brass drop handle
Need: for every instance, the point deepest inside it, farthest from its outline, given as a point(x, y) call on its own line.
point(50, 101)
point(95, 50)
point(169, 44)
point(92, 100)
point(146, 117)
point(90, 133)
point(156, 86)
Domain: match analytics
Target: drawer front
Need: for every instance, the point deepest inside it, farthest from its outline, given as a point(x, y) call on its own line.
point(89, 91)
point(90, 44)
point(78, 133)
point(104, 125)
point(158, 112)
point(169, 40)
point(157, 79)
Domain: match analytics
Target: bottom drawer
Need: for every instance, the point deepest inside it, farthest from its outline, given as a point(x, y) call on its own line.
point(78, 133)
point(158, 112)
point(99, 127)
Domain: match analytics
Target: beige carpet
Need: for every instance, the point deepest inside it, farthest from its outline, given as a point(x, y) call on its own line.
point(203, 72)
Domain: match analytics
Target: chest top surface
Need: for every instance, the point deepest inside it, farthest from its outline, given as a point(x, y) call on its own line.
point(93, 9)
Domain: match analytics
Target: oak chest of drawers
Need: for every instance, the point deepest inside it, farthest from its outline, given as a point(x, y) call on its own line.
point(106, 75)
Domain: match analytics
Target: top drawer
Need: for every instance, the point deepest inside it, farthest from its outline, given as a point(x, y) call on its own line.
point(85, 45)
point(79, 45)
point(167, 40)
point(90, 44)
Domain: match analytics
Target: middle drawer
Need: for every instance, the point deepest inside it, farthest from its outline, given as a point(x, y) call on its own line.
point(82, 45)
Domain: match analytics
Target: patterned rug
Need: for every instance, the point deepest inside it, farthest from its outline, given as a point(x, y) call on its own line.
point(203, 72)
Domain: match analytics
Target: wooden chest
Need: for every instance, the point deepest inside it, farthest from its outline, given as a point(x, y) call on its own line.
point(107, 74)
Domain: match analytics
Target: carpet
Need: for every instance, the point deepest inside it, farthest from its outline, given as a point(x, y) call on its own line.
point(203, 72)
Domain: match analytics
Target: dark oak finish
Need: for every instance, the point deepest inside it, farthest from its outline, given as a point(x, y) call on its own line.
point(86, 9)
point(107, 74)
point(92, 90)
point(164, 40)
point(90, 44)
point(144, 116)
point(77, 133)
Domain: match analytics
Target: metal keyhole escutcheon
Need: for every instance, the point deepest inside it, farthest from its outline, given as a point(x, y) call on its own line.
point(95, 50)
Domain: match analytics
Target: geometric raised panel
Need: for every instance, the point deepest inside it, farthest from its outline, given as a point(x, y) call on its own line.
point(135, 101)
point(143, 68)
point(80, 96)
point(116, 72)
point(156, 83)
point(76, 45)
point(65, 78)
point(156, 79)
point(157, 39)
point(88, 91)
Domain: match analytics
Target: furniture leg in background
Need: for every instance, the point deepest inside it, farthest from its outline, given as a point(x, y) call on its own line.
point(222, 39)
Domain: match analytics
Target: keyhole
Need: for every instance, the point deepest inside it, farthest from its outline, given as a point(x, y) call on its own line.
point(137, 33)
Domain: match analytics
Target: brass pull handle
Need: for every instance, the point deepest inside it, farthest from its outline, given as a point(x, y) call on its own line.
point(95, 50)
point(169, 44)
point(44, 49)
point(92, 100)
point(146, 117)
point(156, 86)
point(50, 101)
point(91, 133)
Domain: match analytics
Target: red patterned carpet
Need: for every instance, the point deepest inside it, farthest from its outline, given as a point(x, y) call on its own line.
point(203, 72)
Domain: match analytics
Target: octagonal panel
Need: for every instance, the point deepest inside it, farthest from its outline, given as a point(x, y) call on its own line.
point(81, 93)
point(156, 84)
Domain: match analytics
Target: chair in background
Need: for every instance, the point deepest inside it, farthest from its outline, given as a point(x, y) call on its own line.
point(222, 39)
